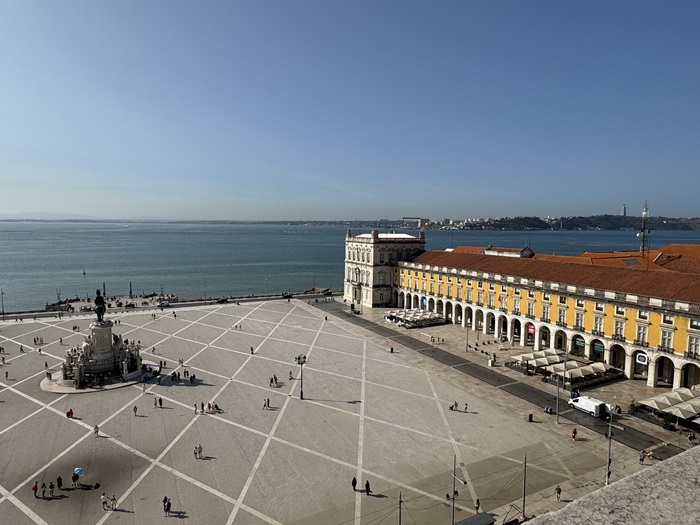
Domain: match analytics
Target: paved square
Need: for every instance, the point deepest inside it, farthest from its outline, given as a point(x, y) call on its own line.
point(368, 413)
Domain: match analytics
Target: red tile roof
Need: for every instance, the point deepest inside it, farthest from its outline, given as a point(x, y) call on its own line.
point(652, 283)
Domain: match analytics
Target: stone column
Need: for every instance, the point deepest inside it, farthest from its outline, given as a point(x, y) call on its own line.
point(538, 341)
point(629, 365)
point(677, 377)
point(651, 372)
point(607, 356)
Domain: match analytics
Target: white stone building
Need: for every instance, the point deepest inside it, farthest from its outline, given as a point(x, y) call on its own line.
point(369, 258)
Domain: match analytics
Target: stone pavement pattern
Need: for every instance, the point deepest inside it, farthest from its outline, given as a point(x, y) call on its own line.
point(367, 412)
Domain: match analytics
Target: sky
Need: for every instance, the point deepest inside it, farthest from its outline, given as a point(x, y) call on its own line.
point(340, 110)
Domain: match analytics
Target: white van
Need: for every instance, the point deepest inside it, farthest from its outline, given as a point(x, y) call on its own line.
point(163, 304)
point(590, 405)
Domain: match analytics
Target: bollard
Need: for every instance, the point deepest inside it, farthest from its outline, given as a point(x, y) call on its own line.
point(529, 418)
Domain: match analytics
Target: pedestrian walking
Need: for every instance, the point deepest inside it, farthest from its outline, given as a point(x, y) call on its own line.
point(573, 435)
point(200, 451)
point(268, 403)
point(195, 452)
point(354, 484)
point(43, 489)
point(367, 490)
point(155, 404)
point(165, 500)
point(160, 402)
point(202, 407)
point(6, 374)
point(466, 406)
point(251, 350)
point(167, 508)
point(275, 378)
point(290, 375)
point(642, 455)
point(35, 488)
point(195, 408)
point(103, 498)
point(264, 404)
point(97, 430)
point(557, 492)
point(135, 410)
point(477, 505)
point(74, 479)
point(51, 487)
point(143, 391)
point(59, 483)
point(113, 501)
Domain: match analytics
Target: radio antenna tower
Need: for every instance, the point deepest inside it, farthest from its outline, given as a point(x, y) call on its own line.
point(643, 235)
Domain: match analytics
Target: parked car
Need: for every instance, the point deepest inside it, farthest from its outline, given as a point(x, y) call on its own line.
point(223, 300)
point(163, 304)
point(129, 305)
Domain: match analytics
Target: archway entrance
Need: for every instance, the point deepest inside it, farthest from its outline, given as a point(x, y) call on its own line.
point(690, 375)
point(578, 346)
point(664, 371)
point(641, 365)
point(617, 357)
point(597, 351)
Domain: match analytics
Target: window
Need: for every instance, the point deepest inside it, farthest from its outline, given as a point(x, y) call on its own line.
point(598, 307)
point(531, 309)
point(480, 297)
point(516, 306)
point(440, 289)
point(579, 303)
point(469, 282)
point(643, 315)
point(545, 296)
point(545, 312)
point(431, 286)
point(619, 310)
point(693, 344)
point(491, 301)
point(363, 256)
point(579, 319)
point(480, 284)
point(492, 286)
point(667, 319)
point(619, 327)
point(598, 324)
point(641, 333)
point(459, 294)
point(695, 324)
point(381, 297)
point(381, 258)
point(531, 294)
point(382, 276)
point(562, 299)
point(667, 338)
point(561, 316)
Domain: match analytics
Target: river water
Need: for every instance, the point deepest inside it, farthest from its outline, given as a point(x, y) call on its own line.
point(39, 261)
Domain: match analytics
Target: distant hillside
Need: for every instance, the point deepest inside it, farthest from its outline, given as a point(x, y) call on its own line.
point(595, 222)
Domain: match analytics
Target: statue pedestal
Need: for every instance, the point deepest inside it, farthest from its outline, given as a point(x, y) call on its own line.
point(101, 340)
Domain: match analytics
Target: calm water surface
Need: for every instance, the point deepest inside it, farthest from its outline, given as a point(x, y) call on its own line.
point(40, 260)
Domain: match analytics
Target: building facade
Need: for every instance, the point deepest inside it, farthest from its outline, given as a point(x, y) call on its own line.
point(370, 261)
point(638, 313)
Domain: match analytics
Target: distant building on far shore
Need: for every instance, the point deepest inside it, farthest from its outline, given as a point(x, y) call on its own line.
point(624, 210)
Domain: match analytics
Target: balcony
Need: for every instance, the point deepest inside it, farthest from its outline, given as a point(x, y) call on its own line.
point(598, 333)
point(579, 327)
point(561, 323)
point(618, 337)
point(544, 319)
point(692, 355)
point(665, 349)
point(641, 343)
point(479, 303)
point(503, 309)
point(530, 316)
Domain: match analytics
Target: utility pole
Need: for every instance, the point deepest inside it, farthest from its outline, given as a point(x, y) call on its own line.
point(566, 354)
point(2, 300)
point(524, 482)
point(400, 502)
point(609, 436)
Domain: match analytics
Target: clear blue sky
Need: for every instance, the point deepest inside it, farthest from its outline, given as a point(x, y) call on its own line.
point(349, 109)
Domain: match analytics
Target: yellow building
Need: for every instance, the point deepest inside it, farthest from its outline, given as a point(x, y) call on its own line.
point(639, 313)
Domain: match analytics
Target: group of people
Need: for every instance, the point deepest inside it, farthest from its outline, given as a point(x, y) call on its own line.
point(108, 503)
point(198, 452)
point(455, 406)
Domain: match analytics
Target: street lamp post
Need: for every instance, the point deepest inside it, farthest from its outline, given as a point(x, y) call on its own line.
point(566, 354)
point(301, 361)
point(455, 478)
point(609, 436)
point(2, 300)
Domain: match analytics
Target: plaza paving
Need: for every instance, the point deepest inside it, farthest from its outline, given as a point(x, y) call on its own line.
point(368, 412)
